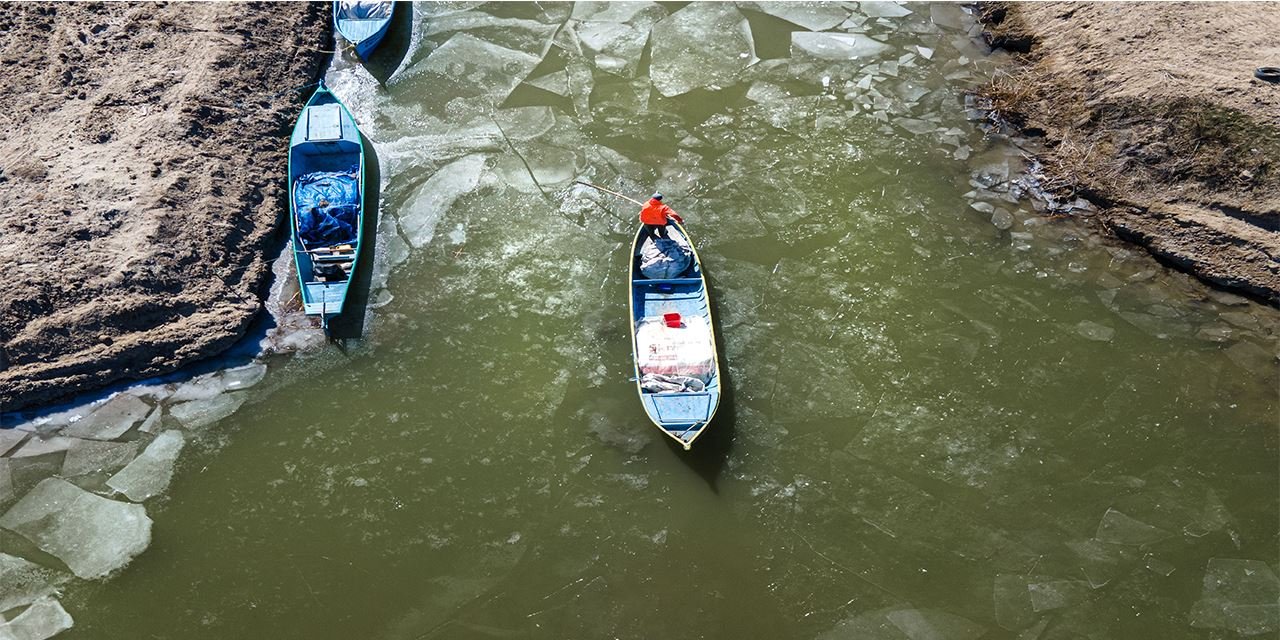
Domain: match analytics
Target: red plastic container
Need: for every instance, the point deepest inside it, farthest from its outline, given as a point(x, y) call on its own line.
point(672, 319)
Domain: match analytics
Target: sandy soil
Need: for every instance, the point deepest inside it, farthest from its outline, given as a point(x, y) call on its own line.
point(142, 178)
point(1152, 111)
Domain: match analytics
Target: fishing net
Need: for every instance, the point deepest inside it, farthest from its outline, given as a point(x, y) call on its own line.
point(328, 207)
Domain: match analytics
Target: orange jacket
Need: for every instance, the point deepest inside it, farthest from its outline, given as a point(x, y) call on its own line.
point(654, 212)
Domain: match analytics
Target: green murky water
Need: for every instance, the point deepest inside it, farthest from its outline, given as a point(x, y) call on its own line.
point(934, 427)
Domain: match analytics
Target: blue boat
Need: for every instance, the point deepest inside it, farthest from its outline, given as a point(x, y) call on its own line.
point(363, 24)
point(326, 185)
point(673, 343)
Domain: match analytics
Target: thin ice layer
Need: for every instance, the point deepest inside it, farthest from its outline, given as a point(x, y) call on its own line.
point(91, 534)
point(428, 206)
point(149, 474)
point(704, 44)
point(474, 68)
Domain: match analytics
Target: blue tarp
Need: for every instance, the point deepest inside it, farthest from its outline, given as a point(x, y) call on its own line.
point(328, 204)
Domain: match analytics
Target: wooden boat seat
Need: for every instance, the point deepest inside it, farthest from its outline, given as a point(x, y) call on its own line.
point(339, 253)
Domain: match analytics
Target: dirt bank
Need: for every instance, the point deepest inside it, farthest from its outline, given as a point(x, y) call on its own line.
point(1152, 111)
point(142, 175)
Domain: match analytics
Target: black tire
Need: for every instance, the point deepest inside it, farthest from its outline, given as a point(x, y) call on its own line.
point(1270, 74)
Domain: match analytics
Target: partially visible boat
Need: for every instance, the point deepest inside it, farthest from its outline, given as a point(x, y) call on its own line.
point(363, 24)
point(326, 187)
point(673, 343)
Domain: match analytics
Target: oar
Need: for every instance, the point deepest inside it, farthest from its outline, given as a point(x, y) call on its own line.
point(614, 193)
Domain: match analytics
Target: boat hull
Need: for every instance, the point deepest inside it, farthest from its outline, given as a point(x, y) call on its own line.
point(363, 34)
point(682, 415)
point(326, 140)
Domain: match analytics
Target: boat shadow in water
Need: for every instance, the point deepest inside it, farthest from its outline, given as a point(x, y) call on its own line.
point(351, 322)
point(386, 58)
point(710, 452)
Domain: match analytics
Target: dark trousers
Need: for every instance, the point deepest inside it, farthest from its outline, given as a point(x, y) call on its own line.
point(654, 231)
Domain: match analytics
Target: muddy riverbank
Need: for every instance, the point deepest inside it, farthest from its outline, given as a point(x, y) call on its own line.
point(142, 179)
point(1153, 113)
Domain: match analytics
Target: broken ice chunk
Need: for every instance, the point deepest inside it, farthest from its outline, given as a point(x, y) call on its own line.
point(429, 204)
point(92, 456)
point(1012, 602)
point(111, 420)
point(926, 52)
point(23, 582)
point(10, 439)
point(43, 619)
point(1095, 331)
point(930, 624)
point(473, 68)
point(702, 44)
point(557, 82)
point(150, 473)
point(244, 377)
point(202, 413)
point(814, 16)
point(883, 9)
point(91, 534)
point(950, 16)
point(1056, 594)
point(6, 482)
point(40, 446)
point(835, 46)
point(1239, 595)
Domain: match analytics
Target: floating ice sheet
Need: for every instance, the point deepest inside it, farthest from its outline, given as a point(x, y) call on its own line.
point(92, 456)
point(202, 413)
point(702, 44)
point(1095, 331)
point(6, 482)
point(814, 16)
point(91, 534)
point(11, 438)
point(428, 206)
point(477, 69)
point(1056, 594)
point(111, 420)
point(835, 46)
point(43, 619)
point(1239, 595)
point(876, 9)
point(23, 582)
point(244, 377)
point(927, 624)
point(1012, 602)
point(618, 44)
point(41, 446)
point(150, 473)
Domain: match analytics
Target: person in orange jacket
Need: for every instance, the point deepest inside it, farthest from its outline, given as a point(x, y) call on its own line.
point(655, 217)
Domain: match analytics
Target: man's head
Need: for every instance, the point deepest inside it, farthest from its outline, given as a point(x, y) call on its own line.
point(658, 197)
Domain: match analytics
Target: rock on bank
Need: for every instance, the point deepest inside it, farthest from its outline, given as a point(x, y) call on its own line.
point(1152, 110)
point(142, 178)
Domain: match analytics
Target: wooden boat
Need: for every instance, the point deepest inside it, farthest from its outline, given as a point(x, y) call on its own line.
point(363, 24)
point(672, 333)
point(326, 188)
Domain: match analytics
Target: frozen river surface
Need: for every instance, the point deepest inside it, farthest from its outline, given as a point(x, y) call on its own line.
point(948, 417)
